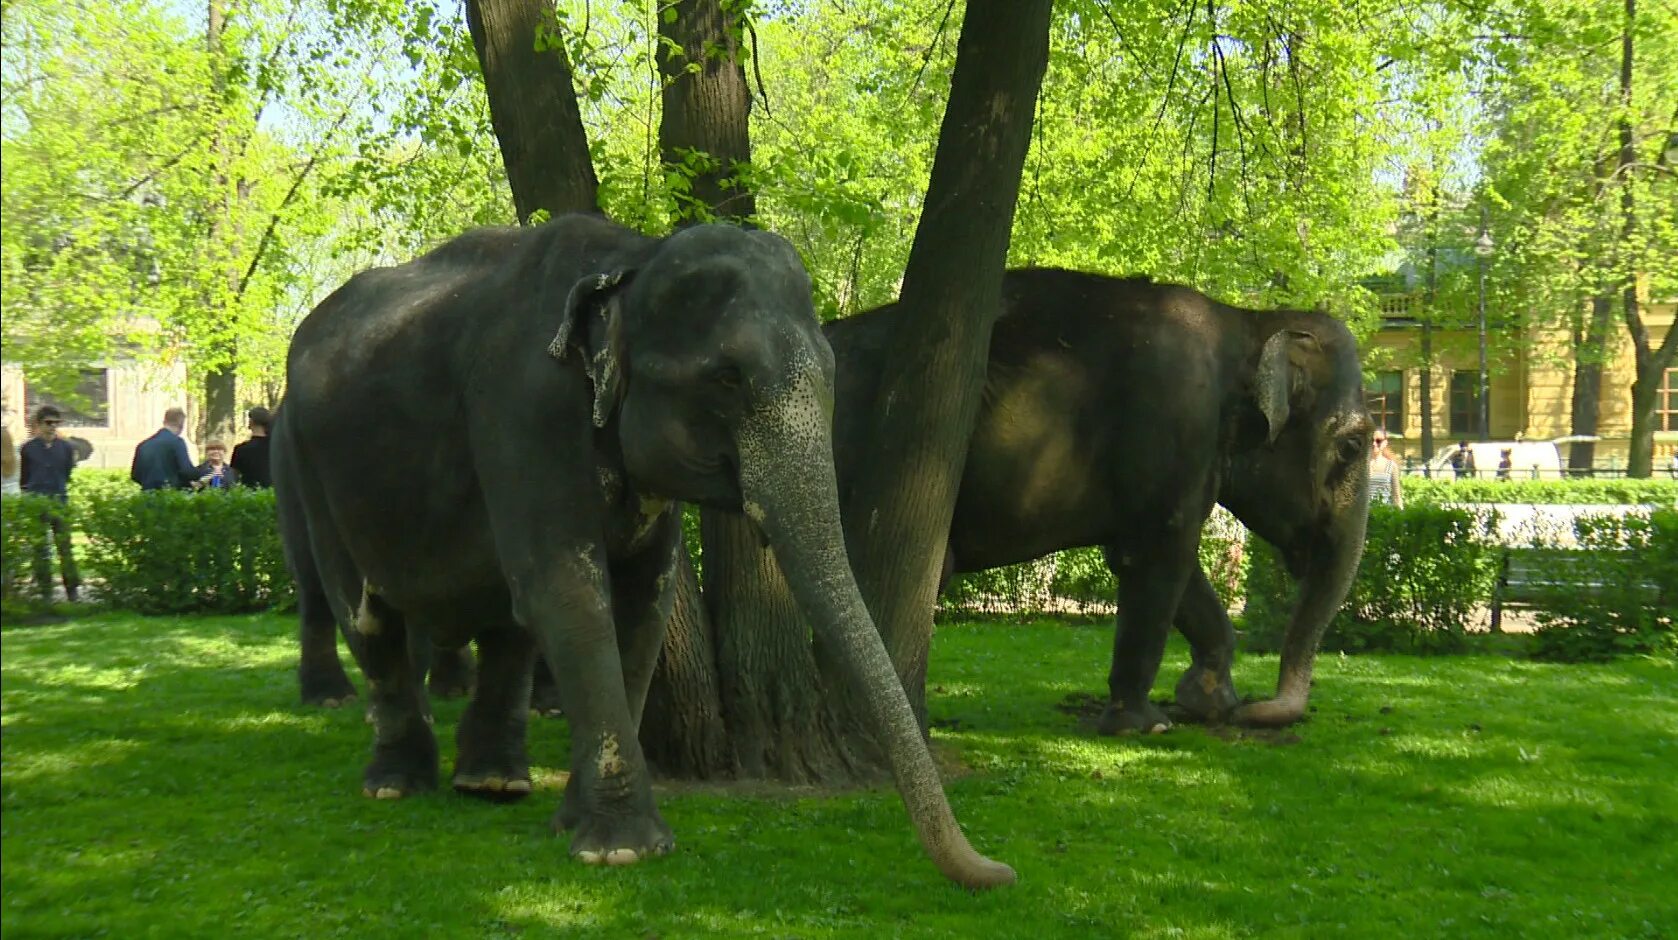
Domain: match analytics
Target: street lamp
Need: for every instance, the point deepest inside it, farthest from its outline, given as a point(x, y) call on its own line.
point(1482, 250)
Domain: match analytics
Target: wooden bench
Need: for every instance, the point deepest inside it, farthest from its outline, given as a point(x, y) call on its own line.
point(1527, 577)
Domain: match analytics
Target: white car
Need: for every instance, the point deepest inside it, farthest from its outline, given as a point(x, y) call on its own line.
point(1529, 460)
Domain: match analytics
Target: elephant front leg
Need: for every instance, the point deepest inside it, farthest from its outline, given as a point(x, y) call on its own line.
point(643, 595)
point(491, 762)
point(1150, 585)
point(1206, 691)
point(404, 748)
point(608, 805)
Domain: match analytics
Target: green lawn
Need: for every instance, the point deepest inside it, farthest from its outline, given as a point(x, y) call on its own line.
point(161, 780)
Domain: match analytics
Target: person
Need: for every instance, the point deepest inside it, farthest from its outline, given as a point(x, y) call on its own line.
point(1506, 463)
point(1463, 460)
point(160, 461)
point(214, 473)
point(9, 468)
point(250, 459)
point(45, 465)
point(1384, 473)
point(1674, 467)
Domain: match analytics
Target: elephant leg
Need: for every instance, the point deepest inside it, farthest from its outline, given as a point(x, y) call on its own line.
point(643, 595)
point(404, 749)
point(491, 761)
point(1206, 690)
point(1151, 582)
point(320, 674)
point(451, 673)
point(608, 805)
point(544, 692)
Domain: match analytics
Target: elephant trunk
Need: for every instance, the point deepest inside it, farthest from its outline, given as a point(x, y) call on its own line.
point(787, 481)
point(1329, 564)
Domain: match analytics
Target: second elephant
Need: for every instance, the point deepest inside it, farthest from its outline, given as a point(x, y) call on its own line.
point(1115, 412)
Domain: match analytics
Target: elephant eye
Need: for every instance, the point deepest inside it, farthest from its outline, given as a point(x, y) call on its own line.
point(727, 377)
point(1351, 448)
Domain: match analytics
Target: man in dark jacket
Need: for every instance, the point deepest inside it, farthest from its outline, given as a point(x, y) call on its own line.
point(161, 462)
point(45, 466)
point(250, 459)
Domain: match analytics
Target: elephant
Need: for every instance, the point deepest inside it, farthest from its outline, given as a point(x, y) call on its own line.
point(1115, 412)
point(487, 443)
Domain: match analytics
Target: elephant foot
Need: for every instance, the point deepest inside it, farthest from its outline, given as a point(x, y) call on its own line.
point(403, 765)
point(1271, 713)
point(451, 673)
point(325, 687)
point(498, 778)
point(1147, 718)
point(608, 839)
point(1207, 695)
point(544, 699)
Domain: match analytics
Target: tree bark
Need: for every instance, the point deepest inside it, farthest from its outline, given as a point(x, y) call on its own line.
point(902, 499)
point(533, 105)
point(704, 130)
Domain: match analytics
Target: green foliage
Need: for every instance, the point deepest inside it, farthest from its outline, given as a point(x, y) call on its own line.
point(161, 778)
point(1622, 556)
point(1424, 570)
point(175, 551)
point(1624, 492)
point(22, 528)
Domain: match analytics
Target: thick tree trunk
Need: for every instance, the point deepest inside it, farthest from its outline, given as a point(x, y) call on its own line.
point(704, 130)
point(902, 499)
point(221, 376)
point(533, 106)
point(1588, 354)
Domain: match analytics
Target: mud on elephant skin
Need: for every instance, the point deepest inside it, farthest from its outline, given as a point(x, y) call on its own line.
point(535, 399)
point(1115, 412)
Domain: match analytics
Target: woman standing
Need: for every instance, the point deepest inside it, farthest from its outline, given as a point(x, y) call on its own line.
point(1384, 473)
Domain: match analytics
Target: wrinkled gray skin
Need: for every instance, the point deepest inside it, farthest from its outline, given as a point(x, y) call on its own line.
point(491, 436)
point(1115, 413)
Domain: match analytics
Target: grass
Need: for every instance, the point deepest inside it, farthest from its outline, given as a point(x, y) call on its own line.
point(161, 780)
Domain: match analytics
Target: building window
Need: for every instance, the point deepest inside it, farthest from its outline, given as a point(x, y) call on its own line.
point(1385, 400)
point(1465, 403)
point(88, 407)
point(1666, 402)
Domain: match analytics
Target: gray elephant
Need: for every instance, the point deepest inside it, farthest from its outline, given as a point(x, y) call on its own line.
point(485, 443)
point(1115, 413)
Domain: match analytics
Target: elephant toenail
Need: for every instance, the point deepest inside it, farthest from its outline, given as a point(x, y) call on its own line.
point(518, 786)
point(590, 857)
point(388, 793)
point(622, 857)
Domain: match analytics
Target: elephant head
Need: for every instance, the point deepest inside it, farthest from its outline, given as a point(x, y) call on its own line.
point(707, 358)
point(1300, 479)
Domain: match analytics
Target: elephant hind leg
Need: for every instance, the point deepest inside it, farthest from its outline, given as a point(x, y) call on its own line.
point(491, 761)
point(404, 748)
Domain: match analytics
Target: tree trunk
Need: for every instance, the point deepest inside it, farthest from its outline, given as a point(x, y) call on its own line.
point(1652, 361)
point(704, 131)
point(1588, 354)
point(902, 499)
point(527, 77)
point(1427, 337)
point(220, 375)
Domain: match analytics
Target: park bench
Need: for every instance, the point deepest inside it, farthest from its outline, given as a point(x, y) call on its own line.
point(1528, 577)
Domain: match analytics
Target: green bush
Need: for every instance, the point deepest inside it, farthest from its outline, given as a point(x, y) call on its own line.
point(1424, 570)
point(1621, 556)
point(1422, 491)
point(22, 528)
point(173, 551)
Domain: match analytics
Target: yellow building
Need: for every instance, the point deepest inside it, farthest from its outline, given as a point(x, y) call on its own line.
point(1531, 384)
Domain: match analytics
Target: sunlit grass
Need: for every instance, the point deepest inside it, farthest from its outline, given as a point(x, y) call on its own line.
point(160, 780)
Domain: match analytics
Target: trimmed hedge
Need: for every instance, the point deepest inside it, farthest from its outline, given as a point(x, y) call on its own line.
point(22, 528)
point(1424, 570)
point(173, 551)
point(1619, 615)
point(1624, 492)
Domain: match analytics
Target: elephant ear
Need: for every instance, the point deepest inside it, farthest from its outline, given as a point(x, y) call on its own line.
point(1283, 380)
point(590, 325)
